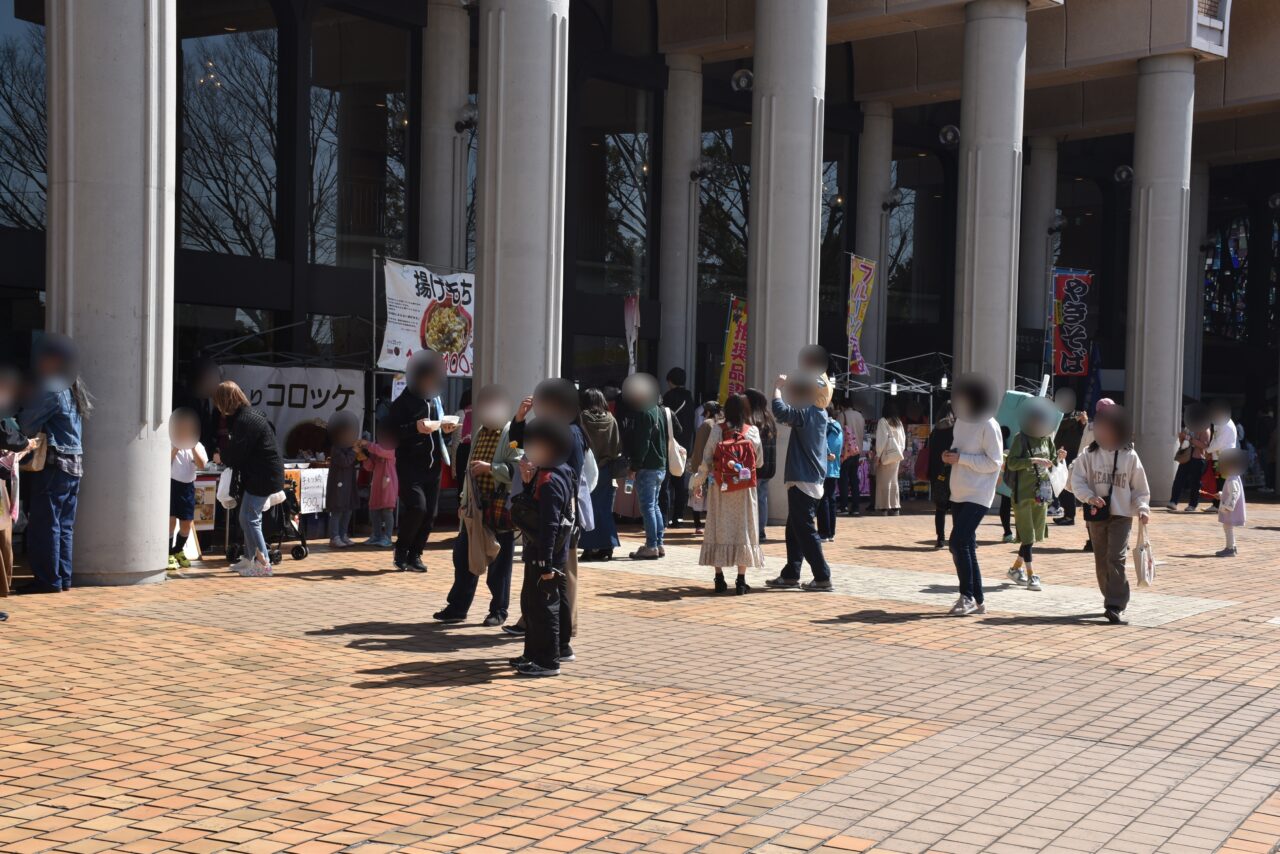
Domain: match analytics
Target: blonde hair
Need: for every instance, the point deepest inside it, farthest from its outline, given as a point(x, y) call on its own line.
point(228, 398)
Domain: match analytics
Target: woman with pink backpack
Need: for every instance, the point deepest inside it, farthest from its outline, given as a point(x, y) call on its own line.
point(727, 479)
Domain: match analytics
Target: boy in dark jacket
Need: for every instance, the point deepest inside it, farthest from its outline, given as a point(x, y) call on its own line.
point(544, 513)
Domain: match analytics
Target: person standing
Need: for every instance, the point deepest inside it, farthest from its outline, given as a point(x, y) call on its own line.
point(679, 400)
point(421, 454)
point(827, 511)
point(727, 479)
point(1193, 441)
point(647, 452)
point(1068, 438)
point(762, 418)
point(58, 409)
point(806, 469)
point(891, 446)
point(1224, 436)
point(710, 414)
point(254, 456)
point(1031, 456)
point(940, 441)
point(975, 456)
point(1110, 479)
point(14, 445)
point(855, 431)
point(605, 441)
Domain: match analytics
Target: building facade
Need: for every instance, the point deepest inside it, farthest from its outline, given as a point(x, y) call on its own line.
point(176, 175)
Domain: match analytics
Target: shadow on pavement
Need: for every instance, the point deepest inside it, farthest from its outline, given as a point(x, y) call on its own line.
point(668, 594)
point(1043, 620)
point(876, 617)
point(427, 636)
point(427, 674)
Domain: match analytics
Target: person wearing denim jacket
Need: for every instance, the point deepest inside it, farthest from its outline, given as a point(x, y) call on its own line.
point(805, 472)
point(57, 410)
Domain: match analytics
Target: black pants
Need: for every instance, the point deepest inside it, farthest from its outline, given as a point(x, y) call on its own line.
point(827, 508)
point(547, 622)
point(1188, 480)
point(419, 497)
point(850, 488)
point(803, 543)
point(1024, 552)
point(940, 512)
point(498, 578)
point(675, 497)
point(1006, 515)
point(1067, 501)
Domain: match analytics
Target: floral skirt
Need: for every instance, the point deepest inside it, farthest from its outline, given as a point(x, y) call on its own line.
point(732, 530)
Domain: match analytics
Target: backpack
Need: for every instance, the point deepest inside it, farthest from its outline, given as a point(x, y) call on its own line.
point(734, 461)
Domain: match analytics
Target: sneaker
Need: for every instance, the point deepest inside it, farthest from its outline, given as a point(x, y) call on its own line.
point(941, 543)
point(4, 617)
point(183, 561)
point(445, 617)
point(979, 609)
point(645, 553)
point(662, 551)
point(347, 541)
point(1033, 583)
point(1009, 538)
point(492, 621)
point(1087, 547)
point(337, 543)
point(566, 654)
point(1017, 574)
point(256, 569)
point(781, 583)
point(372, 541)
point(400, 564)
point(722, 586)
point(173, 564)
point(242, 563)
point(415, 565)
point(535, 670)
point(958, 608)
point(1171, 507)
point(518, 661)
point(1114, 617)
point(514, 629)
point(964, 607)
point(970, 607)
point(740, 587)
point(1227, 552)
point(818, 586)
point(1190, 508)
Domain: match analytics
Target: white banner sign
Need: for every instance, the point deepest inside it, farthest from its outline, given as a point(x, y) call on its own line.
point(428, 310)
point(295, 396)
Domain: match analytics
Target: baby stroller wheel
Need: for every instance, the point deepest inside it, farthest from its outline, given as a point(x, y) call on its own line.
point(298, 552)
point(234, 552)
point(276, 557)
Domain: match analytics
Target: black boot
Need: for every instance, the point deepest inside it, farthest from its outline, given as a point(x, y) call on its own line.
point(721, 585)
point(740, 586)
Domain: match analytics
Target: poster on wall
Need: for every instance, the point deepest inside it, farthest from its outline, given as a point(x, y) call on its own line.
point(1071, 322)
point(862, 279)
point(297, 401)
point(733, 370)
point(309, 486)
point(426, 309)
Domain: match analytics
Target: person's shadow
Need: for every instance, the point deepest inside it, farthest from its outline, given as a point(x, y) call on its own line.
point(878, 617)
point(665, 594)
point(1046, 620)
point(427, 636)
point(432, 674)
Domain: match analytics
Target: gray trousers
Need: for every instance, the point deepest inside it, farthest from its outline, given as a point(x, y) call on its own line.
point(1110, 553)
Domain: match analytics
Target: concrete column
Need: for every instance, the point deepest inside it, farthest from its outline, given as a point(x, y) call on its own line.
point(1039, 207)
point(112, 74)
point(875, 181)
point(990, 196)
point(678, 261)
point(1158, 260)
point(1197, 231)
point(786, 164)
point(524, 63)
point(446, 85)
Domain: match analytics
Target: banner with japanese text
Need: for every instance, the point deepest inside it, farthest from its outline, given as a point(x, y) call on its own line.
point(431, 310)
point(862, 279)
point(296, 399)
point(733, 370)
point(1071, 338)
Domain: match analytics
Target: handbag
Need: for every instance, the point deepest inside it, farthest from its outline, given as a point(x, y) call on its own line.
point(677, 457)
point(1144, 560)
point(35, 460)
point(1103, 513)
point(1183, 456)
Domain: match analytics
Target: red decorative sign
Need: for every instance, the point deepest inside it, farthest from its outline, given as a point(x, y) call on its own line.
point(1070, 322)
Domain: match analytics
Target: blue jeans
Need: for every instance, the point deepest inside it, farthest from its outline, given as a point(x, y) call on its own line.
point(803, 542)
point(762, 505)
point(498, 578)
point(251, 525)
point(51, 517)
point(965, 518)
point(648, 490)
point(339, 523)
point(383, 522)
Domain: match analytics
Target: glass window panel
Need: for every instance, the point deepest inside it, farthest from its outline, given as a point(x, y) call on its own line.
point(614, 181)
point(339, 340)
point(724, 198)
point(230, 127)
point(23, 119)
point(198, 327)
point(600, 360)
point(359, 124)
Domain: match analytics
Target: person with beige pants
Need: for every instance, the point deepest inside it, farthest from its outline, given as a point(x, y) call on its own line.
point(891, 447)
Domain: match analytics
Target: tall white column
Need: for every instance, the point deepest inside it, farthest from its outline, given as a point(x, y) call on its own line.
point(524, 61)
point(1197, 231)
point(446, 85)
point(678, 261)
point(786, 163)
point(875, 181)
point(112, 71)
point(1158, 260)
point(990, 193)
point(1039, 207)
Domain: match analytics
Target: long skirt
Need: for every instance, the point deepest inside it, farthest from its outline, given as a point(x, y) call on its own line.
point(605, 535)
point(887, 497)
point(732, 533)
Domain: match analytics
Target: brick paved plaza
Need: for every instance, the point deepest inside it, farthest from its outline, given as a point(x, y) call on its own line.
point(323, 710)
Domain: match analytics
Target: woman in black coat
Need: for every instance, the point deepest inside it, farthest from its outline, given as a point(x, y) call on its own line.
point(940, 440)
point(252, 452)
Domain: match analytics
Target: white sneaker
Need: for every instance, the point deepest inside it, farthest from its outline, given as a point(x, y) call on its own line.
point(1171, 507)
point(1033, 583)
point(242, 563)
point(970, 607)
point(1017, 575)
point(256, 569)
point(336, 543)
point(347, 541)
point(958, 608)
point(980, 609)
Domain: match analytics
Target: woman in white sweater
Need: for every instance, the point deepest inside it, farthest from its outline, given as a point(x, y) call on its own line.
point(891, 446)
point(1110, 480)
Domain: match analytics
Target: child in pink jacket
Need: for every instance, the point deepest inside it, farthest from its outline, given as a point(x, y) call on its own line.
point(381, 461)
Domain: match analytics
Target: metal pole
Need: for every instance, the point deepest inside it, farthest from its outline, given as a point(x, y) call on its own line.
point(372, 406)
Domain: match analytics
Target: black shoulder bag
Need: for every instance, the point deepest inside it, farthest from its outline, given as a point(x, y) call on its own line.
point(1103, 513)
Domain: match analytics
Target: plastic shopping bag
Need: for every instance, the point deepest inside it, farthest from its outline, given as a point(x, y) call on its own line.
point(1058, 478)
point(1144, 560)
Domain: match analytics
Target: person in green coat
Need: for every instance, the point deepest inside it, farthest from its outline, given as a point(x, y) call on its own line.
point(1031, 456)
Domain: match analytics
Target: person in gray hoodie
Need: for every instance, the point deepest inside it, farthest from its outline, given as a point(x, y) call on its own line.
point(805, 471)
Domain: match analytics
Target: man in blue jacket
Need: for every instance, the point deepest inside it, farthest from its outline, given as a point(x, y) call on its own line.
point(805, 471)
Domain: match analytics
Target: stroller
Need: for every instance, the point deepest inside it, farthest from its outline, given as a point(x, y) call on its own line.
point(279, 523)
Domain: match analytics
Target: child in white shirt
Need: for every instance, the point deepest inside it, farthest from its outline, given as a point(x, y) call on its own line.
point(1232, 463)
point(186, 457)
